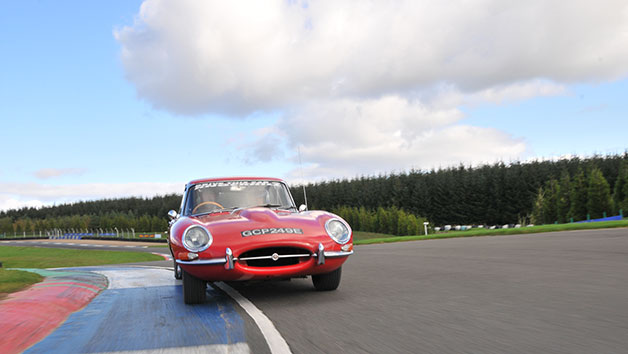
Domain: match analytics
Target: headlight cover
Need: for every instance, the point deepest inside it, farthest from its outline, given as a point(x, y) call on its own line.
point(196, 238)
point(338, 231)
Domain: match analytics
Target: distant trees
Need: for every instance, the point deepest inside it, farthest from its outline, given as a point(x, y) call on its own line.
point(598, 195)
point(550, 201)
point(141, 214)
point(620, 191)
point(578, 209)
point(544, 191)
point(155, 206)
point(6, 225)
point(106, 221)
point(490, 194)
point(391, 220)
point(585, 197)
point(563, 202)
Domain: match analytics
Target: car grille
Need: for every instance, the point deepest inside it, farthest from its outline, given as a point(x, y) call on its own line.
point(283, 256)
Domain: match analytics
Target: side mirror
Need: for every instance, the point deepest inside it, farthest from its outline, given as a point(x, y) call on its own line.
point(173, 214)
point(302, 208)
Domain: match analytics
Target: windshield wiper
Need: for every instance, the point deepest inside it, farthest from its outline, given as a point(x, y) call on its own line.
point(267, 206)
point(217, 211)
point(278, 206)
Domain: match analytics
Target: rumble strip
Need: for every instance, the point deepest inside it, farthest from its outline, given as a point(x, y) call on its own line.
point(142, 311)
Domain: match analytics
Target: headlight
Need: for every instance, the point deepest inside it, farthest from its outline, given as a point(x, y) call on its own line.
point(338, 231)
point(196, 238)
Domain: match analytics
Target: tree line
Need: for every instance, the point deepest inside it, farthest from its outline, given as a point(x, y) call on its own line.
point(79, 223)
point(393, 221)
point(490, 194)
point(586, 195)
point(494, 194)
point(154, 206)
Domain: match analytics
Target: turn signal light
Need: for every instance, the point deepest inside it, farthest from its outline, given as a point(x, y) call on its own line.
point(190, 256)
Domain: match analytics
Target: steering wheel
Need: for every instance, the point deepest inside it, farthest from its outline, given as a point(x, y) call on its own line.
point(206, 203)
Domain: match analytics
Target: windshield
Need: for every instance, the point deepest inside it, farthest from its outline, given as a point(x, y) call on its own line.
point(228, 195)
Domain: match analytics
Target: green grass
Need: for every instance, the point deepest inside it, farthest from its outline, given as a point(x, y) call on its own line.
point(358, 239)
point(41, 257)
point(363, 235)
point(125, 237)
point(16, 280)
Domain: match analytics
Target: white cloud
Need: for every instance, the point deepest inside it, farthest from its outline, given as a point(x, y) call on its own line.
point(519, 91)
point(6, 203)
point(450, 96)
point(369, 87)
point(391, 133)
point(16, 195)
point(195, 57)
point(266, 146)
point(46, 173)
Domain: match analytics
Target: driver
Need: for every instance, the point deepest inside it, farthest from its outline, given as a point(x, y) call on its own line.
point(205, 198)
point(207, 195)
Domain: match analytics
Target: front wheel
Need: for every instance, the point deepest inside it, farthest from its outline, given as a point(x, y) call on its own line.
point(193, 289)
point(327, 281)
point(178, 273)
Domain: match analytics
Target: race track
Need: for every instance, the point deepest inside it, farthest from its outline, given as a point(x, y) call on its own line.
point(563, 292)
point(142, 311)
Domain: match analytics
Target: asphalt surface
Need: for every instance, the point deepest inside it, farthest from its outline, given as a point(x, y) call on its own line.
point(563, 292)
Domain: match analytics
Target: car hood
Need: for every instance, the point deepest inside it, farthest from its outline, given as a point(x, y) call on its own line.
point(234, 224)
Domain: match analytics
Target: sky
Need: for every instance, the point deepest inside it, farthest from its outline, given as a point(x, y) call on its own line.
point(107, 99)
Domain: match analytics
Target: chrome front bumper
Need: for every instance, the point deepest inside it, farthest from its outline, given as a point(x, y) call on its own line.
point(229, 259)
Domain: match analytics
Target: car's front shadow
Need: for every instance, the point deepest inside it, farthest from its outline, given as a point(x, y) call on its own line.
point(283, 291)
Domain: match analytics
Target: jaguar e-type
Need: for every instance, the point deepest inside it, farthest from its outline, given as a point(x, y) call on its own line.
point(249, 228)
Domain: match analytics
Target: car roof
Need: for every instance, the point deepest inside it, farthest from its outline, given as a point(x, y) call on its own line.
point(217, 179)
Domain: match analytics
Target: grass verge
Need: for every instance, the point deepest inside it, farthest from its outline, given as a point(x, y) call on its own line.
point(16, 280)
point(159, 246)
point(41, 257)
point(360, 239)
point(363, 235)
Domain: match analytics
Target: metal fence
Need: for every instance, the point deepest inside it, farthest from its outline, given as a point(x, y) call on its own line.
point(77, 234)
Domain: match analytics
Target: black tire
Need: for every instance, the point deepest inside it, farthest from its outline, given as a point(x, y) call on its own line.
point(327, 281)
point(178, 272)
point(194, 289)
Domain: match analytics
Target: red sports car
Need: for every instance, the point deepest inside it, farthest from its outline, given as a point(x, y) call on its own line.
point(248, 228)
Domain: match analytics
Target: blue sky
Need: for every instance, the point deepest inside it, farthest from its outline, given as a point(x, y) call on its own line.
point(588, 119)
point(80, 120)
point(66, 104)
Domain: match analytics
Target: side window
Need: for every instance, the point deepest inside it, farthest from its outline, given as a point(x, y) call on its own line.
point(189, 201)
point(183, 199)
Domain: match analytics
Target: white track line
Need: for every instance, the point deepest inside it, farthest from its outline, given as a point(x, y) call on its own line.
point(275, 341)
